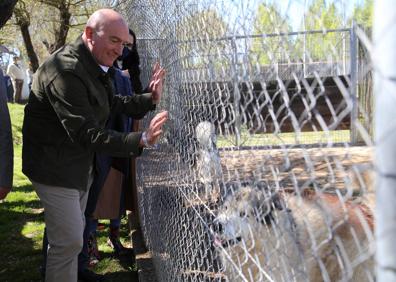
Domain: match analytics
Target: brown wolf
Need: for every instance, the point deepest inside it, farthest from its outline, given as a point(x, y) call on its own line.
point(288, 237)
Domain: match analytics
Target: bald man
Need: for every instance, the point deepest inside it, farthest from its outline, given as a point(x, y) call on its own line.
point(64, 126)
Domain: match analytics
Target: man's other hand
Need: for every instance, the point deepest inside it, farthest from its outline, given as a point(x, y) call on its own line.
point(156, 82)
point(155, 129)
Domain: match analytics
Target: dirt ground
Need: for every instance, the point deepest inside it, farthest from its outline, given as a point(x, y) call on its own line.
point(324, 169)
point(143, 257)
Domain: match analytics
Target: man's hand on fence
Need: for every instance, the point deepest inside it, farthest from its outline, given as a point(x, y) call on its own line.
point(156, 82)
point(151, 135)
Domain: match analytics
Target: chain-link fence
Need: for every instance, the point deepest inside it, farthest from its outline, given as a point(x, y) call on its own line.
point(265, 168)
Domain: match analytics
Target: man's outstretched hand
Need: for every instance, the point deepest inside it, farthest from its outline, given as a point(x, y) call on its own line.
point(155, 129)
point(156, 82)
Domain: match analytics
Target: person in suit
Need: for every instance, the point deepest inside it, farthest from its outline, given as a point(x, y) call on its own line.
point(64, 128)
point(6, 146)
point(107, 195)
point(127, 82)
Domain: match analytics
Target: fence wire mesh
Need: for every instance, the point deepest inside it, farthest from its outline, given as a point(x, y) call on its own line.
point(265, 168)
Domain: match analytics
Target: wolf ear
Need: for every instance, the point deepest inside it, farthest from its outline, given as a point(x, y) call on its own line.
point(277, 202)
point(264, 212)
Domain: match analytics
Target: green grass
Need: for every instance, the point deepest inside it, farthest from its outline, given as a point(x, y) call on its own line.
point(289, 138)
point(22, 224)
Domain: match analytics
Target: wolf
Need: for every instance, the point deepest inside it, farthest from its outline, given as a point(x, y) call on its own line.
point(267, 236)
point(208, 163)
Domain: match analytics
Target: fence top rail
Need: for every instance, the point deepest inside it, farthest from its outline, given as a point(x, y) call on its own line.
point(235, 37)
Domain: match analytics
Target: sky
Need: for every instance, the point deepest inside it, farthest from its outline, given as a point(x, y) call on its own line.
point(243, 11)
point(240, 14)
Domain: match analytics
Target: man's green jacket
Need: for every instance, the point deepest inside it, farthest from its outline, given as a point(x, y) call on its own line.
point(64, 123)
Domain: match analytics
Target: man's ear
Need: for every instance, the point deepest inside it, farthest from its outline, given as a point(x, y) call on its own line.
point(89, 32)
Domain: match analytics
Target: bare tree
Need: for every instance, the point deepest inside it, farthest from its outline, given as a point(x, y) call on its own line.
point(53, 23)
point(23, 21)
point(62, 29)
point(6, 9)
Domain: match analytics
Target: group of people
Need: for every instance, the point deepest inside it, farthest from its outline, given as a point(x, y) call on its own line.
point(21, 80)
point(77, 139)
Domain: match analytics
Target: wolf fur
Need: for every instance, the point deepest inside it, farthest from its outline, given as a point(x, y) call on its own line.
point(310, 237)
point(208, 164)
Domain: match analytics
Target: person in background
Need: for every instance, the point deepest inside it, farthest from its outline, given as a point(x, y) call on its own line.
point(6, 145)
point(64, 128)
point(106, 199)
point(29, 75)
point(10, 88)
point(129, 62)
point(15, 71)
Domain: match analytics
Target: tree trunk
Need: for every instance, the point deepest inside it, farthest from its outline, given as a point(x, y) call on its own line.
point(29, 46)
point(6, 9)
point(61, 33)
point(23, 21)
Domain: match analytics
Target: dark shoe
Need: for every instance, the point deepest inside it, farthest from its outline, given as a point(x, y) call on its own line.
point(92, 261)
point(89, 276)
point(116, 245)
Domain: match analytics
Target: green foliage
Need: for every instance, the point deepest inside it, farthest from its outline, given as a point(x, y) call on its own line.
point(267, 50)
point(198, 35)
point(363, 15)
point(322, 16)
point(44, 17)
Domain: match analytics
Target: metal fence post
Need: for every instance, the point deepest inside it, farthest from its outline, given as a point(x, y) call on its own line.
point(353, 86)
point(384, 58)
point(237, 94)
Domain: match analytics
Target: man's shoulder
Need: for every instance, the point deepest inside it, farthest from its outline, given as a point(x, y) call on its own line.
point(63, 60)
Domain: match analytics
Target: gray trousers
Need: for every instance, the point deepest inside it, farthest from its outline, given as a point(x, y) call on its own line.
point(65, 221)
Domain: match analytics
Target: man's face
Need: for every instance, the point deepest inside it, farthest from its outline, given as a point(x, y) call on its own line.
point(108, 42)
